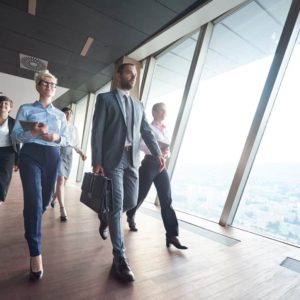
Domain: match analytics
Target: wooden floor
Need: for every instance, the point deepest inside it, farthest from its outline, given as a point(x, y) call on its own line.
point(77, 262)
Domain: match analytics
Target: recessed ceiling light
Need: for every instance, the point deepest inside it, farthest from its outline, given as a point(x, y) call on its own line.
point(32, 7)
point(87, 46)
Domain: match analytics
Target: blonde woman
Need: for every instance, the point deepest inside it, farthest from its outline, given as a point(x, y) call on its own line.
point(42, 129)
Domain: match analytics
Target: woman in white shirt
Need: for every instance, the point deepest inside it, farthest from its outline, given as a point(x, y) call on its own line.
point(66, 157)
point(8, 150)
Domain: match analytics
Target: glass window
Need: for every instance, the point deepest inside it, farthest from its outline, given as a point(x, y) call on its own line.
point(240, 52)
point(168, 83)
point(169, 78)
point(270, 203)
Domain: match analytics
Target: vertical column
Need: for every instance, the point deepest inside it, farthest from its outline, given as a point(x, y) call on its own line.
point(86, 132)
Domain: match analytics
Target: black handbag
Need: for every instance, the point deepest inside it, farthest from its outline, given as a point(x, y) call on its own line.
point(96, 193)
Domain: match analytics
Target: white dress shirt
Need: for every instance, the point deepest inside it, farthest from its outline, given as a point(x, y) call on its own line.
point(5, 140)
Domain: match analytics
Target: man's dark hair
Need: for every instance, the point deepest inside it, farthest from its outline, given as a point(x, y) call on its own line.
point(122, 67)
point(4, 98)
point(66, 109)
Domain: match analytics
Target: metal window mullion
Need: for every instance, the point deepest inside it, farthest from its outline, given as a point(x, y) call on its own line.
point(147, 79)
point(86, 131)
point(189, 93)
point(279, 64)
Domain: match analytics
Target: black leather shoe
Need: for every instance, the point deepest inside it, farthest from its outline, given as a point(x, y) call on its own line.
point(132, 224)
point(35, 275)
point(175, 242)
point(103, 230)
point(122, 270)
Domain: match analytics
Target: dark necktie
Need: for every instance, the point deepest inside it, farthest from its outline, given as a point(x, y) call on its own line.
point(128, 108)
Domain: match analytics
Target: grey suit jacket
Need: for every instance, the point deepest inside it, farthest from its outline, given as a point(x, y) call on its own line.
point(109, 131)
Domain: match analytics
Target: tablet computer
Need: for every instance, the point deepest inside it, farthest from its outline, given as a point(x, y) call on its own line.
point(29, 125)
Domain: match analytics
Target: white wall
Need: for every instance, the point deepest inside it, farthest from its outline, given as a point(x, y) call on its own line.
point(21, 90)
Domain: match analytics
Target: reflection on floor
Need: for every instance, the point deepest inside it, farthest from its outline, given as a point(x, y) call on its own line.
point(77, 263)
point(207, 233)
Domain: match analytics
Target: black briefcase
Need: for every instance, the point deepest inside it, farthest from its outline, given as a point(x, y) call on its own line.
point(96, 193)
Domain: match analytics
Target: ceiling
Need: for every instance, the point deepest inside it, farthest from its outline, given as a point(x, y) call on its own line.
point(59, 30)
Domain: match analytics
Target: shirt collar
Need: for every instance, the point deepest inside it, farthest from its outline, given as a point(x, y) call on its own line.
point(123, 92)
point(159, 125)
point(39, 104)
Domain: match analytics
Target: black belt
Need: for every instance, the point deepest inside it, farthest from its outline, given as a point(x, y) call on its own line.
point(128, 148)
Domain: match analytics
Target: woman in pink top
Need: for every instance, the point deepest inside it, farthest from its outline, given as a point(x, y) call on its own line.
point(149, 173)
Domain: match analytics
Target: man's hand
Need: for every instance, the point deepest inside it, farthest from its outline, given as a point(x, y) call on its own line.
point(98, 169)
point(83, 156)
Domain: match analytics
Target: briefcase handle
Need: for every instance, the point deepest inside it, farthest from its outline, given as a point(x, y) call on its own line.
point(93, 179)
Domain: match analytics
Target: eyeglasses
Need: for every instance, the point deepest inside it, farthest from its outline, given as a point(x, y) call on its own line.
point(47, 83)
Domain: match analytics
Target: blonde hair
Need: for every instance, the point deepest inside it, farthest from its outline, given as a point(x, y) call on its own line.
point(43, 74)
point(158, 106)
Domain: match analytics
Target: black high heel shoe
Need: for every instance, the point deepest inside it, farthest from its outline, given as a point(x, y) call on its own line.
point(53, 201)
point(175, 242)
point(35, 275)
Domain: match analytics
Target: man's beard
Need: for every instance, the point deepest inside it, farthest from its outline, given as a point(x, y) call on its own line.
point(126, 85)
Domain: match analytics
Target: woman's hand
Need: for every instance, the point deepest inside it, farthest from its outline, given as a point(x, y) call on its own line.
point(39, 129)
point(166, 152)
point(51, 137)
point(83, 156)
point(162, 162)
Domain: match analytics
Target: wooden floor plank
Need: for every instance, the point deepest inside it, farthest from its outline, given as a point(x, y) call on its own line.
point(77, 262)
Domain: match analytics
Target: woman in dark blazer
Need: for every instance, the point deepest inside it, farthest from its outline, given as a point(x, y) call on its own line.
point(8, 150)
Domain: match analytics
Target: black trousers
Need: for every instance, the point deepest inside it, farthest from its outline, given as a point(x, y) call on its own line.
point(148, 174)
point(7, 161)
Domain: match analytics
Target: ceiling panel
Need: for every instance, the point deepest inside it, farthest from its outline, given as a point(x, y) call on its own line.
point(143, 16)
point(60, 29)
point(16, 4)
point(40, 29)
point(85, 20)
point(178, 6)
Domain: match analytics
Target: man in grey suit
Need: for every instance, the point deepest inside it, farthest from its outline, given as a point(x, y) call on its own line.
point(118, 124)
